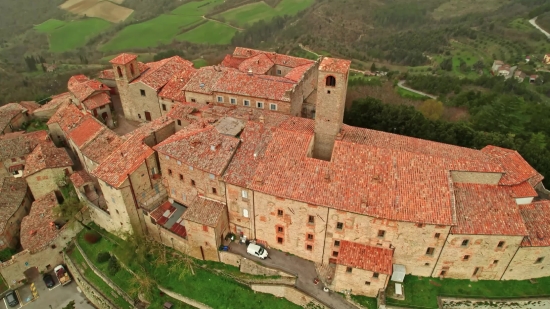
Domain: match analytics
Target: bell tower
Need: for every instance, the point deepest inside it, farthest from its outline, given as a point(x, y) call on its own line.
point(332, 84)
point(125, 69)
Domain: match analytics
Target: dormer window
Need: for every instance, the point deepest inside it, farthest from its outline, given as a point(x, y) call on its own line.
point(330, 81)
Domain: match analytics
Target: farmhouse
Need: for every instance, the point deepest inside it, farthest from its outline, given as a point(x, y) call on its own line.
point(256, 146)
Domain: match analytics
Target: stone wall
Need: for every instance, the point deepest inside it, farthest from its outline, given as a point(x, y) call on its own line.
point(230, 258)
point(473, 177)
point(358, 281)
point(288, 292)
point(10, 234)
point(45, 181)
point(525, 264)
point(253, 268)
point(184, 299)
point(196, 97)
point(240, 210)
point(282, 106)
point(141, 104)
point(119, 221)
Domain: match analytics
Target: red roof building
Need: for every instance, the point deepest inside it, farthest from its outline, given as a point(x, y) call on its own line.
point(375, 259)
point(537, 219)
point(38, 228)
point(46, 156)
point(123, 59)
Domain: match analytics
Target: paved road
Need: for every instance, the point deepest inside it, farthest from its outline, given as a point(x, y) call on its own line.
point(534, 23)
point(401, 84)
point(303, 269)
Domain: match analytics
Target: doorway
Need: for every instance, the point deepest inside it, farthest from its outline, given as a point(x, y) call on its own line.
point(147, 116)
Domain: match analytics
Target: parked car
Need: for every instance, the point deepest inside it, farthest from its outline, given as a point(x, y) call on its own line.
point(11, 299)
point(256, 250)
point(62, 274)
point(48, 280)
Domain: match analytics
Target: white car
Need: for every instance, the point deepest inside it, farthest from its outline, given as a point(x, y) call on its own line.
point(257, 251)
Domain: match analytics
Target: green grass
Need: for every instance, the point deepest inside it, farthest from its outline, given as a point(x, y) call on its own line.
point(409, 94)
point(251, 13)
point(36, 125)
point(367, 302)
point(420, 292)
point(520, 24)
point(199, 63)
point(209, 33)
point(66, 36)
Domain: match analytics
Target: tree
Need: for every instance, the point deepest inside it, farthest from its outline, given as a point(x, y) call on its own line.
point(446, 64)
point(373, 67)
point(431, 109)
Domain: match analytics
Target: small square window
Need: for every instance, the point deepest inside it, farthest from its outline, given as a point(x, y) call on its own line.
point(337, 243)
point(375, 275)
point(465, 242)
point(179, 122)
point(443, 273)
point(279, 212)
point(279, 72)
point(339, 226)
point(214, 191)
point(164, 107)
point(273, 107)
point(381, 233)
point(233, 101)
point(260, 104)
point(348, 269)
point(244, 194)
point(280, 229)
point(53, 246)
point(193, 183)
point(170, 172)
point(219, 99)
point(466, 257)
point(426, 264)
point(367, 283)
point(539, 260)
point(420, 225)
point(246, 103)
point(311, 219)
point(309, 236)
point(309, 247)
point(430, 251)
point(193, 100)
point(142, 92)
point(335, 253)
point(211, 176)
point(139, 116)
point(437, 235)
point(495, 262)
point(328, 91)
point(181, 177)
point(279, 240)
point(500, 244)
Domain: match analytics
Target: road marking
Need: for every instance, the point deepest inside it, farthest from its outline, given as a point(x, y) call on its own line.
point(55, 286)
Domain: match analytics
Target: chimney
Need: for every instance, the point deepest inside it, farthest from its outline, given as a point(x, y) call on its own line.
point(250, 72)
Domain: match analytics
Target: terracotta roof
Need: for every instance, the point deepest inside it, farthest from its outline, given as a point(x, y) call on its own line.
point(123, 161)
point(204, 211)
point(19, 145)
point(335, 65)
point(8, 112)
point(86, 130)
point(38, 228)
point(537, 219)
point(486, 210)
point(123, 58)
point(160, 72)
point(82, 87)
point(107, 74)
point(203, 80)
point(31, 106)
point(259, 64)
point(45, 156)
point(182, 110)
point(375, 259)
point(80, 178)
point(77, 79)
point(297, 73)
point(279, 59)
point(56, 101)
point(12, 194)
point(68, 117)
point(201, 146)
point(524, 189)
point(535, 180)
point(232, 62)
point(257, 86)
point(97, 100)
point(99, 148)
point(163, 212)
point(173, 90)
point(516, 169)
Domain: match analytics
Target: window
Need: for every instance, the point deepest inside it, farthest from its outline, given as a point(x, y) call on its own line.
point(245, 213)
point(214, 191)
point(205, 228)
point(309, 236)
point(142, 92)
point(339, 226)
point(193, 182)
point(139, 116)
point(328, 91)
point(279, 212)
point(244, 194)
point(437, 235)
point(539, 260)
point(311, 219)
point(179, 122)
point(279, 240)
point(279, 72)
point(381, 233)
point(170, 172)
point(335, 253)
point(193, 100)
point(331, 81)
point(233, 101)
point(348, 269)
point(442, 273)
point(430, 251)
point(337, 243)
point(495, 262)
point(466, 257)
point(119, 71)
point(420, 225)
point(465, 242)
point(211, 176)
point(309, 247)
point(219, 99)
point(500, 244)
point(375, 275)
point(367, 283)
point(426, 264)
point(280, 229)
point(164, 107)
point(260, 104)
point(53, 246)
point(181, 177)
point(273, 107)
point(132, 69)
point(476, 270)
point(246, 103)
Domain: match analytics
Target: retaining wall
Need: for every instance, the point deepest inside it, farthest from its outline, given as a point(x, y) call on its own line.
point(288, 292)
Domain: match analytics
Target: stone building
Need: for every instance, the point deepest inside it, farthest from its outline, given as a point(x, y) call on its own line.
point(12, 117)
point(91, 96)
point(14, 149)
point(47, 110)
point(15, 202)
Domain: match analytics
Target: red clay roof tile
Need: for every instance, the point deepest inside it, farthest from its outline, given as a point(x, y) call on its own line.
point(38, 228)
point(517, 170)
point(278, 59)
point(203, 80)
point(524, 189)
point(86, 130)
point(537, 219)
point(335, 65)
point(99, 148)
point(97, 100)
point(204, 211)
point(45, 156)
point(259, 64)
point(256, 86)
point(80, 178)
point(173, 90)
point(123, 59)
point(160, 72)
point(12, 193)
point(375, 259)
point(232, 62)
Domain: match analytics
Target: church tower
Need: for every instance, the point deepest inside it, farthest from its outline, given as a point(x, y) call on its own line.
point(332, 84)
point(126, 69)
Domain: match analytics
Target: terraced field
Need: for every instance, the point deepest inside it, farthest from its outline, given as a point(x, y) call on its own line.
point(68, 35)
point(251, 13)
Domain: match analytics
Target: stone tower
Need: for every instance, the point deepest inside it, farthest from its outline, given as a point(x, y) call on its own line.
point(126, 69)
point(332, 83)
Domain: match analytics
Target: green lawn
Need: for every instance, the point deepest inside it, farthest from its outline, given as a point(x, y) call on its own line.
point(367, 302)
point(424, 291)
point(66, 36)
point(199, 63)
point(209, 33)
point(409, 94)
point(521, 24)
point(253, 12)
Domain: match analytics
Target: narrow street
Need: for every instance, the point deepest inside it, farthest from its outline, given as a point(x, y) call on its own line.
point(304, 270)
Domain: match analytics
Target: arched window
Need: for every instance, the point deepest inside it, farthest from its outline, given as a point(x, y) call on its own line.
point(132, 68)
point(119, 71)
point(331, 81)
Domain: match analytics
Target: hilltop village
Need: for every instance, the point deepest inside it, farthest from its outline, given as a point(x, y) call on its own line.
point(256, 146)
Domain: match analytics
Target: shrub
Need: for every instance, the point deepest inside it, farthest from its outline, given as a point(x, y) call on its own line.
point(6, 254)
point(113, 267)
point(103, 257)
point(92, 237)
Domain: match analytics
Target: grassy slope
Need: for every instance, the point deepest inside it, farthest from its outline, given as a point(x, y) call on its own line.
point(251, 13)
point(66, 36)
point(217, 34)
point(199, 63)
